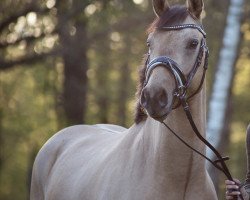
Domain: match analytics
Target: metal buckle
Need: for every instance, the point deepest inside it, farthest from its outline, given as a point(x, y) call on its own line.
point(181, 90)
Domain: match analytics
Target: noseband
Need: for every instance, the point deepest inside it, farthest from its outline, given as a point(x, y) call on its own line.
point(181, 91)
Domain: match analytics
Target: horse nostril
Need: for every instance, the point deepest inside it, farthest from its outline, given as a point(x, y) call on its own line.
point(163, 99)
point(143, 99)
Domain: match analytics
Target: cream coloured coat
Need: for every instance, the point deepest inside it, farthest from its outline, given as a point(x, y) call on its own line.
point(108, 162)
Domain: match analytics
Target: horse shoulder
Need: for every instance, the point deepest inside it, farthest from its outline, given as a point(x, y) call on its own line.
point(45, 161)
point(60, 143)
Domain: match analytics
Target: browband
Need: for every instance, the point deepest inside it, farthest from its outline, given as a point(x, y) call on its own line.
point(179, 27)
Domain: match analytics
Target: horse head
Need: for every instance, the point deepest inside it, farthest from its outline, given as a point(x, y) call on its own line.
point(177, 50)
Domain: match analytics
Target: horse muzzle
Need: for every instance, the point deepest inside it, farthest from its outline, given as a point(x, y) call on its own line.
point(156, 99)
point(156, 103)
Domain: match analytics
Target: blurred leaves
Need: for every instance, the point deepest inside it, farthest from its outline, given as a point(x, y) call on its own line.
point(32, 71)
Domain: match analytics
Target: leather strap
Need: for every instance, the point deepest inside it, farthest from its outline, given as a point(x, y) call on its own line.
point(182, 85)
point(220, 162)
point(183, 26)
point(170, 65)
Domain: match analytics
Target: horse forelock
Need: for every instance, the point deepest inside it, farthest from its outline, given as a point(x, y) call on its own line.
point(173, 16)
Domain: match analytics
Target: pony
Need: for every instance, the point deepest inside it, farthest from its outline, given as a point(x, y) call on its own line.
point(145, 161)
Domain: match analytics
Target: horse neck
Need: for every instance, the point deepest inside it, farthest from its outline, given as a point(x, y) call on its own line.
point(172, 160)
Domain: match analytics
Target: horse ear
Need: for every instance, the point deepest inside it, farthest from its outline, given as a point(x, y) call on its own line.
point(160, 6)
point(195, 7)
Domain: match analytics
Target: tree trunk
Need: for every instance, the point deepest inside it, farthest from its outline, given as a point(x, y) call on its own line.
point(123, 94)
point(103, 91)
point(124, 84)
point(1, 140)
point(103, 88)
point(75, 82)
point(217, 127)
point(103, 95)
point(74, 48)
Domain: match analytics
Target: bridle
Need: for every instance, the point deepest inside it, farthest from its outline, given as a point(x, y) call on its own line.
point(182, 83)
point(181, 91)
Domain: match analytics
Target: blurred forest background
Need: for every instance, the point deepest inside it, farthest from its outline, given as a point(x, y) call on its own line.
point(76, 61)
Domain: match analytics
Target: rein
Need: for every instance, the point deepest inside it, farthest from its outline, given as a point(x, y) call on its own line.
point(220, 162)
point(180, 93)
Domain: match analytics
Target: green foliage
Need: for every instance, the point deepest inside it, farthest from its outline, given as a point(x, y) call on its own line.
point(28, 118)
point(241, 99)
point(110, 52)
point(240, 106)
point(31, 93)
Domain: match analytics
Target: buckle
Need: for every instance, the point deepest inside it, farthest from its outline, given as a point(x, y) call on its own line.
point(221, 160)
point(181, 90)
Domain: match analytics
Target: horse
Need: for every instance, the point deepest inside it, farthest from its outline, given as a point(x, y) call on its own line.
point(145, 161)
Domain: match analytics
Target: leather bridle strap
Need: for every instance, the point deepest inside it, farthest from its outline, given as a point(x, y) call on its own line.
point(170, 65)
point(184, 26)
point(182, 82)
point(193, 149)
point(182, 85)
point(182, 96)
point(198, 61)
point(220, 162)
point(220, 159)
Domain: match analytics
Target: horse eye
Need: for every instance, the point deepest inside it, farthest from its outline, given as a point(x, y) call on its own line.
point(193, 44)
point(148, 44)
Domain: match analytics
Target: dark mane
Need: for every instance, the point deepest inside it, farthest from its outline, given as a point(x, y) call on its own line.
point(173, 16)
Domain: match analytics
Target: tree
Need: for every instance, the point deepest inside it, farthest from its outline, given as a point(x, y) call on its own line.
point(71, 27)
point(12, 36)
point(74, 46)
point(221, 90)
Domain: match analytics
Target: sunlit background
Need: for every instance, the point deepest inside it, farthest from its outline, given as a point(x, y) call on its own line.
point(45, 47)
